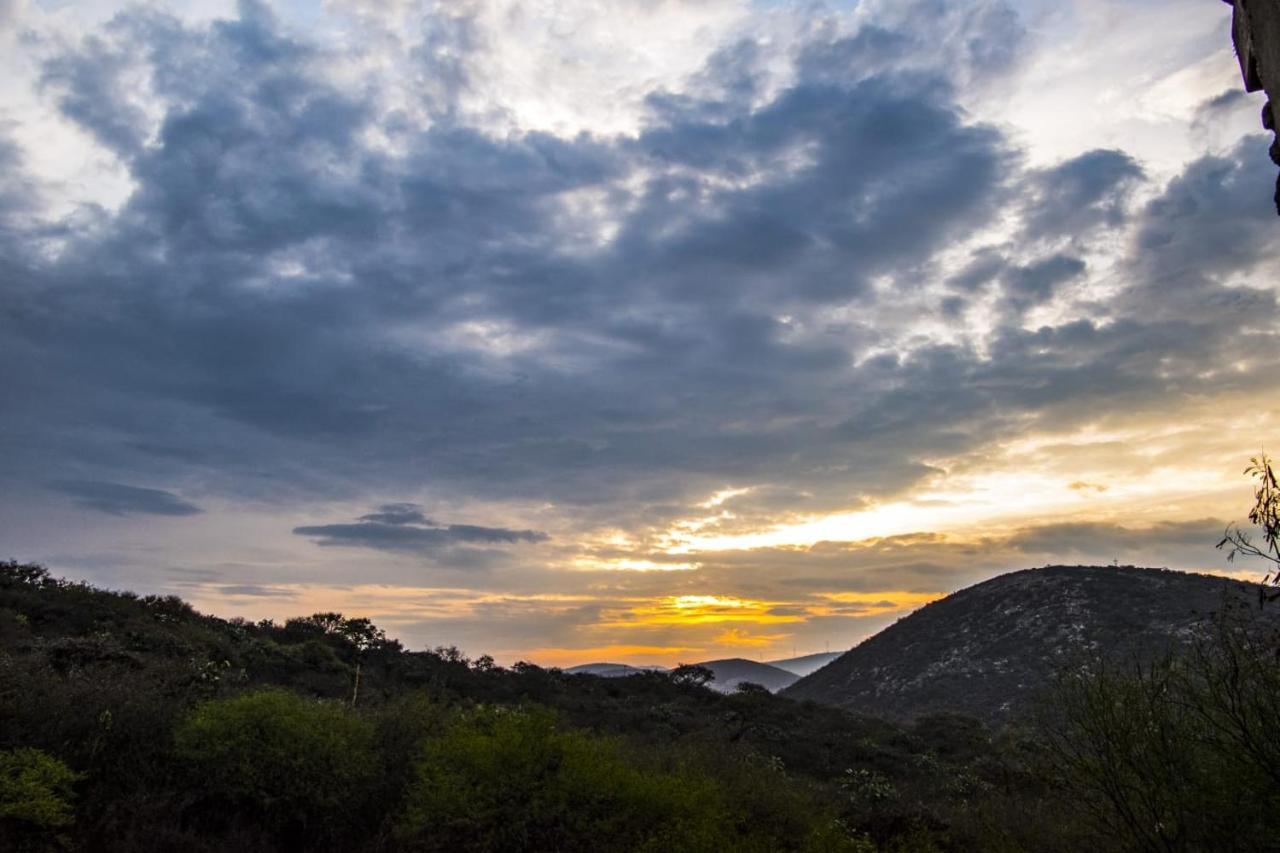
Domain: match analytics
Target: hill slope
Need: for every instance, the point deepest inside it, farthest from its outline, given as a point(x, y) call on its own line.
point(988, 649)
point(805, 664)
point(611, 670)
point(731, 672)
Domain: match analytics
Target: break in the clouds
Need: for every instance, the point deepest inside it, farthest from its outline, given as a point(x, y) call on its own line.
point(676, 293)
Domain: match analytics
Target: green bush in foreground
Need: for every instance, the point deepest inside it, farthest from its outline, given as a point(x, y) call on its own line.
point(300, 768)
point(36, 793)
point(510, 780)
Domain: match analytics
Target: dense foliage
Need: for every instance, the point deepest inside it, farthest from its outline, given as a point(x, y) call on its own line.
point(136, 723)
point(1179, 754)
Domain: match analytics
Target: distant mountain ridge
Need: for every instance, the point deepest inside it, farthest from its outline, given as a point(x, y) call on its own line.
point(988, 649)
point(729, 672)
point(805, 664)
point(612, 670)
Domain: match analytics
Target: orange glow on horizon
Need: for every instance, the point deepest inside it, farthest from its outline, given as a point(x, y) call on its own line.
point(737, 637)
point(697, 610)
point(635, 655)
point(878, 603)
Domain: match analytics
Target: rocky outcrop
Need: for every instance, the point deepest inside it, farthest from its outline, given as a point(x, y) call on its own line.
point(1255, 29)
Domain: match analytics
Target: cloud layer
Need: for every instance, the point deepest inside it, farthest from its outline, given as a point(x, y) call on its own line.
point(359, 264)
point(119, 499)
point(403, 527)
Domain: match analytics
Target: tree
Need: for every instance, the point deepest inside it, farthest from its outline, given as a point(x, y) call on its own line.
point(360, 635)
point(1266, 516)
point(691, 673)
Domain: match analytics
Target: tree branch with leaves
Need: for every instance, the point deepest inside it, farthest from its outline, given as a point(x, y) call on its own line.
point(1265, 515)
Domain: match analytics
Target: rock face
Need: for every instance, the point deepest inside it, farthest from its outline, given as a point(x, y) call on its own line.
point(990, 649)
point(1255, 29)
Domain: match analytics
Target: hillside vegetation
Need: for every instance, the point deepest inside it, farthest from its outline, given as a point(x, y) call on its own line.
point(136, 723)
point(991, 649)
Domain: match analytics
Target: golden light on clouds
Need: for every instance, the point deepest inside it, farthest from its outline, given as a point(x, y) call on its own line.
point(385, 604)
point(699, 587)
point(610, 653)
point(721, 496)
point(1140, 467)
point(738, 638)
point(631, 564)
point(874, 603)
point(687, 610)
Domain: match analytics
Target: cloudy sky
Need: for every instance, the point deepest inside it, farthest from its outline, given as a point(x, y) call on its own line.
point(626, 329)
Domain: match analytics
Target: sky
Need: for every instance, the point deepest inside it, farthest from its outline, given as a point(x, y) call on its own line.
point(626, 330)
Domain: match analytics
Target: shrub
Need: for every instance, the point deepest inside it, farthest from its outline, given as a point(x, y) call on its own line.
point(513, 780)
point(36, 794)
point(296, 768)
point(1180, 754)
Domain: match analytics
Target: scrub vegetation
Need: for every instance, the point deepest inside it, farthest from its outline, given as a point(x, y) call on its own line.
point(136, 723)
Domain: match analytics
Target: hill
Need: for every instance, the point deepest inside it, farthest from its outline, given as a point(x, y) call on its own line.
point(134, 723)
point(731, 672)
point(987, 650)
point(805, 664)
point(611, 670)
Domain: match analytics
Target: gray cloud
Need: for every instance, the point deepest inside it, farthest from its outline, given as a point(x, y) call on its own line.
point(283, 311)
point(1038, 282)
point(119, 499)
point(255, 591)
point(399, 513)
point(402, 527)
point(1099, 540)
point(1089, 190)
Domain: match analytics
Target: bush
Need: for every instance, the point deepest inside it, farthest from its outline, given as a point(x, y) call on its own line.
point(36, 793)
point(514, 780)
point(296, 768)
point(1178, 755)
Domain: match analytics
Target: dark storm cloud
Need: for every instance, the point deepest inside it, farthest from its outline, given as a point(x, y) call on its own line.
point(402, 527)
point(241, 182)
point(119, 499)
point(1207, 221)
point(984, 267)
point(283, 310)
point(1086, 191)
point(401, 513)
point(1037, 283)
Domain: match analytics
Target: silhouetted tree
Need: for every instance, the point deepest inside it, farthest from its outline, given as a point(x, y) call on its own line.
point(689, 673)
point(1266, 516)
